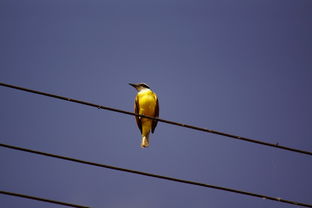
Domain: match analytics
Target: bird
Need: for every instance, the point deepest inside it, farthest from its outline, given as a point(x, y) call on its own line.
point(146, 103)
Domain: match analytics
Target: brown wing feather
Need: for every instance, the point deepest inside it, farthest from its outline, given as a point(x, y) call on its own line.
point(154, 124)
point(136, 110)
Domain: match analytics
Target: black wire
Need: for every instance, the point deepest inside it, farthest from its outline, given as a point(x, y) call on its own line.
point(161, 120)
point(156, 176)
point(41, 199)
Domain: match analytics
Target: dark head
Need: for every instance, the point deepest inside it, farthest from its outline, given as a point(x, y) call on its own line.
point(140, 86)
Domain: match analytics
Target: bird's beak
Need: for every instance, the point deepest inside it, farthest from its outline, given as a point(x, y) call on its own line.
point(133, 85)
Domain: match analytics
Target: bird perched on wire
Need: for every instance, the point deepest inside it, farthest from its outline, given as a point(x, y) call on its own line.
point(146, 103)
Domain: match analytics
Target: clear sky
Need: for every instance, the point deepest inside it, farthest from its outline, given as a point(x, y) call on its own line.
point(239, 66)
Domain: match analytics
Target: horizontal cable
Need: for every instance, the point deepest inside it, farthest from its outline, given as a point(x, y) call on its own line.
point(156, 176)
point(161, 120)
point(41, 199)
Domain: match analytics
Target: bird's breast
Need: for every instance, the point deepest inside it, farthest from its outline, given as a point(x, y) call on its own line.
point(147, 103)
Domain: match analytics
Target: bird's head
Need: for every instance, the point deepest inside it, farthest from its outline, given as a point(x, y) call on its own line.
point(139, 86)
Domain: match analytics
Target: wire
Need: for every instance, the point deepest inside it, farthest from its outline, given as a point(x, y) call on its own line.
point(156, 176)
point(41, 199)
point(159, 119)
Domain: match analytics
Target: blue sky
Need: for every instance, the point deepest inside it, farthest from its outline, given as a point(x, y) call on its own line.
point(242, 67)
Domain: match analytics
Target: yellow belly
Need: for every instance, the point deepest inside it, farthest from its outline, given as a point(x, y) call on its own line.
point(147, 105)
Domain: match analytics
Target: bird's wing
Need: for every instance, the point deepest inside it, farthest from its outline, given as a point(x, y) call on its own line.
point(137, 110)
point(154, 124)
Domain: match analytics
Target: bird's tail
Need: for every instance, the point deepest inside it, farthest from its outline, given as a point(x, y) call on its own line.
point(145, 141)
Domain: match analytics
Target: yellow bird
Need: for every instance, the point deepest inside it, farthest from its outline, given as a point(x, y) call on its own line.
point(146, 103)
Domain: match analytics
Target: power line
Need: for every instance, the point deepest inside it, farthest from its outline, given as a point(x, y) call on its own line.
point(161, 120)
point(156, 176)
point(41, 199)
